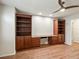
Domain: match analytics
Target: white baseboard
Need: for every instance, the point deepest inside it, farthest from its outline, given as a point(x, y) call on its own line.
point(8, 54)
point(76, 41)
point(68, 43)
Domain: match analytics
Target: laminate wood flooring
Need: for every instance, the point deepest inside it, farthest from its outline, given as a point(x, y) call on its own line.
point(60, 51)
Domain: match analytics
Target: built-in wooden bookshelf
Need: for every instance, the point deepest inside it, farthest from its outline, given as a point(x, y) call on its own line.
point(59, 32)
point(23, 25)
point(61, 26)
point(24, 39)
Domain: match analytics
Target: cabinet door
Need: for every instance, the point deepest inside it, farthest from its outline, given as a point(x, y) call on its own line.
point(50, 40)
point(27, 42)
point(19, 42)
point(35, 41)
point(55, 40)
point(61, 38)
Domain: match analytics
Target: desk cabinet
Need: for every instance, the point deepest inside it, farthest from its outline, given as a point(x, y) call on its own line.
point(25, 42)
point(58, 39)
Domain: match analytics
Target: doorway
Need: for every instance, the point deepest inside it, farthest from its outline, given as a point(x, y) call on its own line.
point(75, 30)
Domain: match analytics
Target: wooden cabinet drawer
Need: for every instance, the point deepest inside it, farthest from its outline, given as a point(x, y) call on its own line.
point(35, 41)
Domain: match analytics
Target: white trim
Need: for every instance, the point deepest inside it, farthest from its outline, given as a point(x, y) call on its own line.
point(8, 54)
point(68, 43)
point(76, 41)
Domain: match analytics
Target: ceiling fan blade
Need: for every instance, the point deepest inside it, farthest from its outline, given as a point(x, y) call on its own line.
point(71, 7)
point(57, 10)
point(60, 3)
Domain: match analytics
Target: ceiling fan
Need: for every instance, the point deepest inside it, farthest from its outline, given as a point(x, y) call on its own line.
point(63, 8)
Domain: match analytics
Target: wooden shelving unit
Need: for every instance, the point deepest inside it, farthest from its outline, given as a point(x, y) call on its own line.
point(23, 31)
point(59, 32)
point(24, 39)
point(23, 25)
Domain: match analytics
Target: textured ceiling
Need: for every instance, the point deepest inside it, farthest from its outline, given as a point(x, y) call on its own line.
point(47, 7)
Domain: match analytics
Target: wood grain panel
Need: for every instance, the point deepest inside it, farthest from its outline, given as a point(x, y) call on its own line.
point(19, 42)
point(57, 39)
point(55, 26)
point(61, 38)
point(35, 41)
point(27, 42)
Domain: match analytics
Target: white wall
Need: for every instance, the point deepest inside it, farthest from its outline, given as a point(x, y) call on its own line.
point(42, 26)
point(7, 30)
point(68, 31)
point(72, 31)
